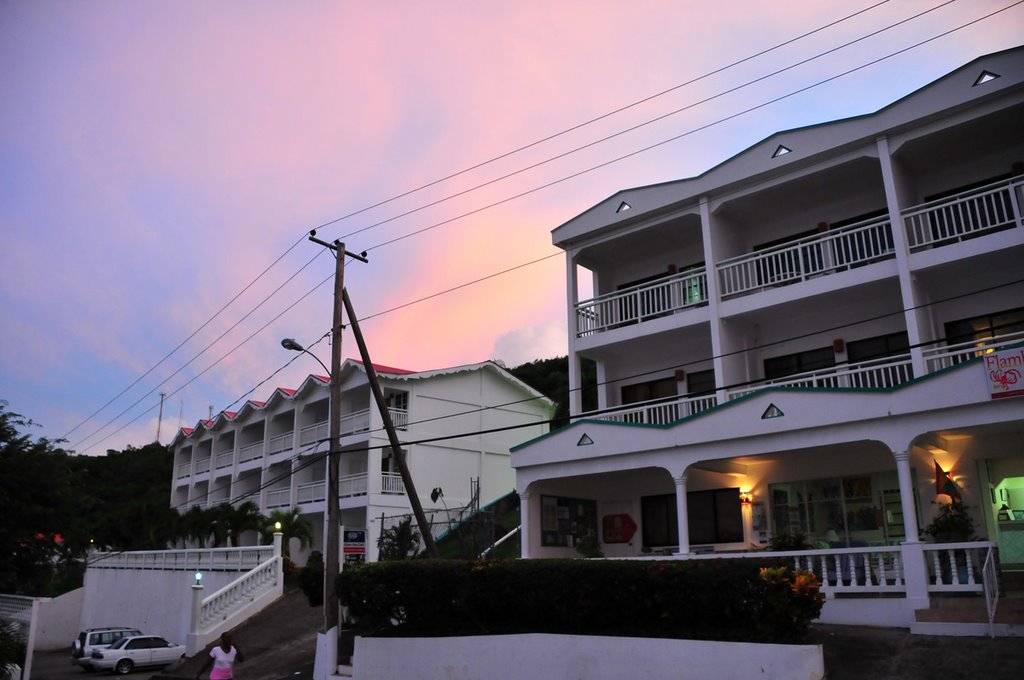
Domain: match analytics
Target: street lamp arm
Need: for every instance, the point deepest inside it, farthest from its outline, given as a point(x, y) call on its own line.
point(289, 343)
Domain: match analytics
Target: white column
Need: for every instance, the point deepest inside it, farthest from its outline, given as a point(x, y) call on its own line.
point(915, 571)
point(681, 515)
point(571, 298)
point(900, 245)
point(524, 528)
point(718, 362)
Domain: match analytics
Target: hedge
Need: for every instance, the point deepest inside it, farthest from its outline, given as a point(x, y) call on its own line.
point(741, 600)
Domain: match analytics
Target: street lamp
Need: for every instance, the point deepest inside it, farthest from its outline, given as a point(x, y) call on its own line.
point(291, 344)
point(332, 539)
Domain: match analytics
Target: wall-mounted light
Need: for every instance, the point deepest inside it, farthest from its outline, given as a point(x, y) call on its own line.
point(746, 497)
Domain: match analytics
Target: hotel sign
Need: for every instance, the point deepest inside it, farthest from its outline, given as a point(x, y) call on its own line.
point(1004, 373)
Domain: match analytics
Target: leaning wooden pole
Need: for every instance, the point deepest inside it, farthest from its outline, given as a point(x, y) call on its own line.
point(389, 426)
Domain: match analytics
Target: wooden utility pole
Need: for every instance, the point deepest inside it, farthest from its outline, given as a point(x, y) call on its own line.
point(333, 547)
point(396, 446)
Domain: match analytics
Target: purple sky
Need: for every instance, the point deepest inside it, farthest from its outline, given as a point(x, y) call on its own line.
point(156, 157)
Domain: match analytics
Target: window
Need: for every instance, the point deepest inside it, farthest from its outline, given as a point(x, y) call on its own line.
point(985, 326)
point(800, 362)
point(662, 388)
point(700, 383)
point(889, 345)
point(714, 516)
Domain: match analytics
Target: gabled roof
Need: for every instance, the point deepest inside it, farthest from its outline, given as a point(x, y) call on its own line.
point(350, 366)
point(960, 87)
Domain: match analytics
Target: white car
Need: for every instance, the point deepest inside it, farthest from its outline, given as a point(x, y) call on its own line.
point(137, 651)
point(91, 639)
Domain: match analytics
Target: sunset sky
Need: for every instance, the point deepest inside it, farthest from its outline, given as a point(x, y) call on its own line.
point(156, 157)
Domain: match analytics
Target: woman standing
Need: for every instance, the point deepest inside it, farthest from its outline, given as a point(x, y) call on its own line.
point(223, 658)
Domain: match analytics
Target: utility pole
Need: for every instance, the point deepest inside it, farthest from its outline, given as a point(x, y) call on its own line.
point(331, 566)
point(160, 418)
point(396, 446)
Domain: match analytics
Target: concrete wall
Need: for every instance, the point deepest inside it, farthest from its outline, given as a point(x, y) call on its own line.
point(512, 657)
point(154, 601)
point(57, 618)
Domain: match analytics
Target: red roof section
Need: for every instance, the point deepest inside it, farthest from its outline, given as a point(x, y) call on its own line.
point(381, 368)
point(287, 391)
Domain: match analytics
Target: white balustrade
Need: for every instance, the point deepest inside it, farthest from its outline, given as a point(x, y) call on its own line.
point(317, 432)
point(184, 470)
point(250, 452)
point(831, 251)
point(657, 412)
point(955, 567)
point(355, 422)
point(311, 492)
point(391, 483)
point(281, 443)
point(937, 358)
point(641, 302)
point(971, 213)
point(875, 374)
point(225, 459)
point(279, 498)
point(220, 604)
point(203, 465)
point(205, 559)
point(352, 485)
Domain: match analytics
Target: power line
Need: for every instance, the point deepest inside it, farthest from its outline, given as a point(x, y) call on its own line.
point(615, 160)
point(476, 166)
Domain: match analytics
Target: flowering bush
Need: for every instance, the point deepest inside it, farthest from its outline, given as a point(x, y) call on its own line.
point(790, 600)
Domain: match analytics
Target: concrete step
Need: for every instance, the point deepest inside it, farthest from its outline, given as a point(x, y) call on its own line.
point(971, 610)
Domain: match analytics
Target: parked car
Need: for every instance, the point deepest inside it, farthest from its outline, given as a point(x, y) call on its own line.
point(137, 651)
point(91, 639)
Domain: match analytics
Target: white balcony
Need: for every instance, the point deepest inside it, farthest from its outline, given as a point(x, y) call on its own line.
point(874, 374)
point(279, 498)
point(203, 465)
point(224, 459)
point(938, 358)
point(282, 443)
point(250, 452)
point(640, 303)
point(318, 432)
point(184, 470)
point(352, 485)
point(655, 412)
point(972, 213)
point(826, 253)
point(352, 423)
point(311, 492)
point(391, 483)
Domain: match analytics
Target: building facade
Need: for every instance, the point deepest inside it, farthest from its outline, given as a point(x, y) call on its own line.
point(795, 342)
point(272, 452)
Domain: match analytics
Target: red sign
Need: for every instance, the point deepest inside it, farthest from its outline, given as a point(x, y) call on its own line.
point(1004, 371)
point(617, 528)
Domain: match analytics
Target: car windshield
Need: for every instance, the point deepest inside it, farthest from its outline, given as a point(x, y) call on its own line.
point(120, 643)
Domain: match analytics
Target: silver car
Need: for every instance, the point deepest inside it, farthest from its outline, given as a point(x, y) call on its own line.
point(91, 639)
point(137, 651)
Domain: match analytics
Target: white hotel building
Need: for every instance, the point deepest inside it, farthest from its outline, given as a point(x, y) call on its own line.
point(272, 452)
point(792, 340)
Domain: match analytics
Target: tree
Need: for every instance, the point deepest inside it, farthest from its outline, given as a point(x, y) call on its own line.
point(293, 525)
point(399, 542)
point(550, 377)
point(42, 527)
point(231, 521)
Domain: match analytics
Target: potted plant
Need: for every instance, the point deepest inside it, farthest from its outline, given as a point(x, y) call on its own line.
point(952, 524)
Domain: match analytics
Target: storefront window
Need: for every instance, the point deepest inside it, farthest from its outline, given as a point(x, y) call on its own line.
point(858, 510)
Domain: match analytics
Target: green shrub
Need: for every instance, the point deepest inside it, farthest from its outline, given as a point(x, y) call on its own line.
point(752, 600)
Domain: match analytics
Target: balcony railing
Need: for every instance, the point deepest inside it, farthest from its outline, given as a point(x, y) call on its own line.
point(311, 492)
point(352, 485)
point(656, 412)
point(203, 465)
point(639, 303)
point(965, 215)
point(184, 470)
point(874, 374)
point(826, 253)
point(391, 483)
point(225, 459)
point(281, 443)
point(317, 432)
point(937, 358)
point(352, 423)
point(279, 498)
point(250, 452)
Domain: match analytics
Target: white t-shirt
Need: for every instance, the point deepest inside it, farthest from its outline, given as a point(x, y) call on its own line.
point(223, 662)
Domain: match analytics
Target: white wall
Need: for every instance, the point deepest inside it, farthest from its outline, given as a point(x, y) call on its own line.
point(155, 601)
point(57, 620)
point(512, 657)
